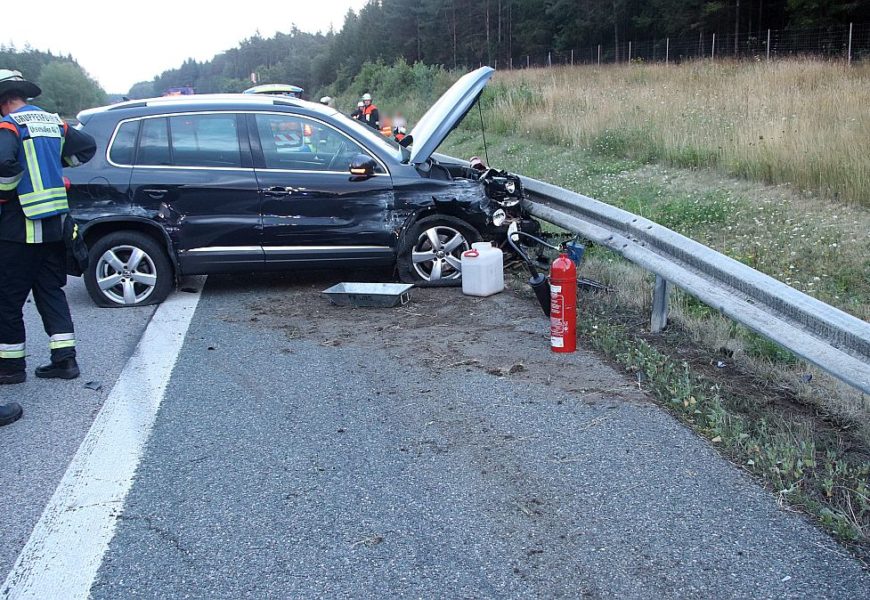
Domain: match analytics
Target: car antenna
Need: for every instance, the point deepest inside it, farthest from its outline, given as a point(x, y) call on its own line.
point(483, 131)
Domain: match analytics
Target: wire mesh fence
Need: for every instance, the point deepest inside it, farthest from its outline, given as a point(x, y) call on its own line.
point(850, 44)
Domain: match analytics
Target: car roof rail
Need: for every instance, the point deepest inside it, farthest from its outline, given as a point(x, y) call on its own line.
point(127, 105)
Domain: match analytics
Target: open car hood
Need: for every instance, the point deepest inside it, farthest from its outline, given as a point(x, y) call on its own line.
point(446, 114)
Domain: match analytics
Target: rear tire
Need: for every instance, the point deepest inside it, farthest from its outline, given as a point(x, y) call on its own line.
point(128, 268)
point(431, 251)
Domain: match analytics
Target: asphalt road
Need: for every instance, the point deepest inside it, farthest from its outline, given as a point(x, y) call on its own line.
point(57, 414)
point(281, 466)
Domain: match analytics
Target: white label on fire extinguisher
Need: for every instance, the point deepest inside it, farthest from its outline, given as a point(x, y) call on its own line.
point(557, 342)
point(555, 289)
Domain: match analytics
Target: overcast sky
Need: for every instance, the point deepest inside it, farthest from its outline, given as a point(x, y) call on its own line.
point(122, 42)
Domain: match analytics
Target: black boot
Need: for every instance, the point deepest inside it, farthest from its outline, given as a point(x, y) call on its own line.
point(65, 369)
point(9, 413)
point(12, 377)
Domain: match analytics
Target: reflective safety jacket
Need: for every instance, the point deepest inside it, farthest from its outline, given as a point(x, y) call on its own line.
point(40, 186)
point(371, 116)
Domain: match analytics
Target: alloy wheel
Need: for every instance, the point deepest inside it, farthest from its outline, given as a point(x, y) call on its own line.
point(438, 252)
point(126, 275)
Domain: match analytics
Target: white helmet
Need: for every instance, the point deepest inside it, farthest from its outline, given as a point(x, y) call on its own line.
point(367, 97)
point(326, 100)
point(360, 104)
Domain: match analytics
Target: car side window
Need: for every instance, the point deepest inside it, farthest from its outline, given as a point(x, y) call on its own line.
point(124, 144)
point(154, 143)
point(205, 141)
point(297, 143)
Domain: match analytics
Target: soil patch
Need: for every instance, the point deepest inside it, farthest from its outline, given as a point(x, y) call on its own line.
point(505, 335)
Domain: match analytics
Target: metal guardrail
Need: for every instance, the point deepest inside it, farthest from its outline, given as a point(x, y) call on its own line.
point(821, 334)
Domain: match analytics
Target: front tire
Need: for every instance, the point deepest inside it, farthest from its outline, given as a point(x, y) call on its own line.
point(431, 251)
point(128, 268)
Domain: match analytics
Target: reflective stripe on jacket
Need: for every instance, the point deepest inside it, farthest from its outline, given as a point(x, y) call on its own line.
point(41, 191)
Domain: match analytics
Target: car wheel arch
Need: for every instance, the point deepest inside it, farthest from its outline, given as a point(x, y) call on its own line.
point(436, 209)
point(99, 228)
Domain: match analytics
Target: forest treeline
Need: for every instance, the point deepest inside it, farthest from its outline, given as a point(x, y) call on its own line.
point(449, 33)
point(464, 33)
point(66, 87)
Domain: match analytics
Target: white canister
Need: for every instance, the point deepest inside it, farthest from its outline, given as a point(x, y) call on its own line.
point(482, 270)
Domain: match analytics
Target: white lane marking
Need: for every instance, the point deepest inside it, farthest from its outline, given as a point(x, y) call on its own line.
point(66, 547)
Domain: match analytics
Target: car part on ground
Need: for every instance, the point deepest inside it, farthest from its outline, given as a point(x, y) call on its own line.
point(369, 295)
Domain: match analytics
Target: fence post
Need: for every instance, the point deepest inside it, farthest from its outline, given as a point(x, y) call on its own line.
point(659, 318)
point(667, 50)
point(549, 59)
point(599, 55)
point(512, 63)
point(572, 57)
point(629, 52)
point(768, 44)
point(713, 48)
point(849, 61)
point(527, 61)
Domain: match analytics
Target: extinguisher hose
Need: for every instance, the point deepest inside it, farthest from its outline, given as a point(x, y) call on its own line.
point(539, 240)
point(532, 270)
point(538, 282)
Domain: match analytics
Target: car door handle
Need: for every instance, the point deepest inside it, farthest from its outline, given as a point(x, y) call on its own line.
point(277, 191)
point(155, 193)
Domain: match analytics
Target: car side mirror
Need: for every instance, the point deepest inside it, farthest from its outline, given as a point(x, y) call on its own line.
point(362, 167)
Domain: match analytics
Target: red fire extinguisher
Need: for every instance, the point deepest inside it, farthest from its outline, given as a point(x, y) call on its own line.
point(563, 304)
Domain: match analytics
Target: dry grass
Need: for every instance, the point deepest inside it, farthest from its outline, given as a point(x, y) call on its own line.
point(802, 122)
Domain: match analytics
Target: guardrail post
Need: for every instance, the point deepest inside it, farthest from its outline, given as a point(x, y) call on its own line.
point(660, 305)
point(849, 60)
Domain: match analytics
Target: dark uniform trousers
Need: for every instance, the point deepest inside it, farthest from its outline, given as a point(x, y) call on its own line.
point(42, 269)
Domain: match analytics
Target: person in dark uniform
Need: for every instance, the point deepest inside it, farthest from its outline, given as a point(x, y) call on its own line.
point(34, 222)
point(358, 113)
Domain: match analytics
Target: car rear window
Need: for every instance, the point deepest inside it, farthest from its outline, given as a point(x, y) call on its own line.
point(205, 141)
point(198, 140)
point(154, 143)
point(124, 145)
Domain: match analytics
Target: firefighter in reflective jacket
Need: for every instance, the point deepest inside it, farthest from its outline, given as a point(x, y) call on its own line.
point(34, 222)
point(370, 112)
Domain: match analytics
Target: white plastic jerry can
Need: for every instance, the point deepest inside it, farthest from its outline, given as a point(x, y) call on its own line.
point(482, 270)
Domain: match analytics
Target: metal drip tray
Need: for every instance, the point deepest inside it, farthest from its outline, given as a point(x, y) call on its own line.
point(370, 295)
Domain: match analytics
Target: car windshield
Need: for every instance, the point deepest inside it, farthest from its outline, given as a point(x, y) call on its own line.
point(388, 145)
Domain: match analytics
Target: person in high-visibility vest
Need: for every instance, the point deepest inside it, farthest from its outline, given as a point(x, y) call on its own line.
point(370, 117)
point(35, 225)
point(387, 127)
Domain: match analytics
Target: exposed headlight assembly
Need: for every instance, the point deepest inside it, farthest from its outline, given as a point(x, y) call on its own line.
point(498, 217)
point(502, 188)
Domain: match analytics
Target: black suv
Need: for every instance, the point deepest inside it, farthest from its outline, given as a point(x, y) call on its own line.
point(226, 183)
